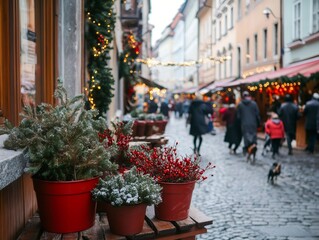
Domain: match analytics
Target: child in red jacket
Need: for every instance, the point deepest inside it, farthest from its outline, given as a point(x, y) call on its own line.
point(275, 129)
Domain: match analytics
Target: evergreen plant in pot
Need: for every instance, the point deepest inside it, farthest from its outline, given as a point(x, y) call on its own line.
point(176, 174)
point(125, 197)
point(65, 159)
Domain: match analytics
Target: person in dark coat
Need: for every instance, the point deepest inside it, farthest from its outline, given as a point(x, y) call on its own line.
point(233, 132)
point(289, 115)
point(310, 112)
point(276, 104)
point(164, 109)
point(152, 107)
point(198, 111)
point(248, 115)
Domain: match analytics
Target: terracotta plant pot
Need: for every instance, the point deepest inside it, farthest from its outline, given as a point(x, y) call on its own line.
point(149, 128)
point(161, 125)
point(65, 206)
point(126, 220)
point(176, 202)
point(141, 125)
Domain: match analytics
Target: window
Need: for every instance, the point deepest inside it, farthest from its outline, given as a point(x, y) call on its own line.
point(219, 70)
point(276, 39)
point(230, 64)
point(239, 9)
point(265, 43)
point(214, 34)
point(232, 17)
point(297, 20)
point(238, 61)
point(220, 30)
point(225, 68)
point(247, 51)
point(315, 16)
point(225, 27)
point(256, 47)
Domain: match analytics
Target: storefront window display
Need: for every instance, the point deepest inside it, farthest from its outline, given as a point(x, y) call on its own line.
point(28, 56)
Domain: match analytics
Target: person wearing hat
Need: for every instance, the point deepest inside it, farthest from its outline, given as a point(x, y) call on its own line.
point(248, 115)
point(289, 114)
point(311, 111)
point(275, 129)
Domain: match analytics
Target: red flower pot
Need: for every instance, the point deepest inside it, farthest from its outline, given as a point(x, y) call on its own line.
point(141, 125)
point(65, 206)
point(126, 220)
point(149, 128)
point(134, 129)
point(176, 202)
point(161, 124)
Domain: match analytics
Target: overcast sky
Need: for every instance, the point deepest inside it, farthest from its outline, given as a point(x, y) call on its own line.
point(162, 13)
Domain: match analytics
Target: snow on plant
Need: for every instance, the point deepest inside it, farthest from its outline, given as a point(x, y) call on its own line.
point(129, 188)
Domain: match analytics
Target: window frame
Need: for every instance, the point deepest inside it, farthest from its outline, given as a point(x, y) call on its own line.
point(297, 21)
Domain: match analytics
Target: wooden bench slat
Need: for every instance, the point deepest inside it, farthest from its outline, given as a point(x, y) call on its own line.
point(153, 228)
point(32, 230)
point(50, 236)
point(70, 236)
point(200, 218)
point(95, 232)
point(184, 225)
point(161, 228)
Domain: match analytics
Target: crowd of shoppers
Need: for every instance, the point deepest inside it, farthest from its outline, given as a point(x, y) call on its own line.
point(242, 122)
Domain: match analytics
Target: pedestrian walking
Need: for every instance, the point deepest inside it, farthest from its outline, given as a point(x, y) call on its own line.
point(248, 114)
point(289, 115)
point(197, 114)
point(233, 131)
point(310, 112)
point(152, 108)
point(275, 129)
point(164, 109)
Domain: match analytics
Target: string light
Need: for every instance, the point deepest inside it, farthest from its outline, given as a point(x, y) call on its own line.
point(151, 62)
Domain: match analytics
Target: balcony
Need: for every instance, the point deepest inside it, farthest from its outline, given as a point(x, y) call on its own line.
point(130, 13)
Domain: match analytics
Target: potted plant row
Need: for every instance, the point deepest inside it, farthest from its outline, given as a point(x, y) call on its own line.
point(65, 159)
point(149, 124)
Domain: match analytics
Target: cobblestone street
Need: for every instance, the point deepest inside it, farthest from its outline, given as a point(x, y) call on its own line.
point(241, 202)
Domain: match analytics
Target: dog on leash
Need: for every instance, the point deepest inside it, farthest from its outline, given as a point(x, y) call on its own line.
point(251, 152)
point(274, 171)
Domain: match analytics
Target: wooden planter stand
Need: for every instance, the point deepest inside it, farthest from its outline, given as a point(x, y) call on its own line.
point(153, 228)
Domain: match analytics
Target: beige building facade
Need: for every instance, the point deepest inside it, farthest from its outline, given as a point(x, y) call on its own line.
point(224, 40)
point(258, 25)
point(205, 67)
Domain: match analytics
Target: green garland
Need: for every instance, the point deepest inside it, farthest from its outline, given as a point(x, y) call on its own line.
point(128, 66)
point(100, 24)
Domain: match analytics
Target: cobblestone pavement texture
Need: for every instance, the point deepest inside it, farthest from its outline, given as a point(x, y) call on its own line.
point(241, 202)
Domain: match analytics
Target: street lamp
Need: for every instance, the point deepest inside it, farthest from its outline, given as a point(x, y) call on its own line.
point(267, 12)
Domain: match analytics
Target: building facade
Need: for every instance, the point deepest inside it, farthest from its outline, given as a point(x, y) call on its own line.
point(189, 12)
point(224, 40)
point(258, 36)
point(206, 67)
point(301, 32)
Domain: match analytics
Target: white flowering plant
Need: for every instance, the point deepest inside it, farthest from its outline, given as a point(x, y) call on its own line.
point(129, 188)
